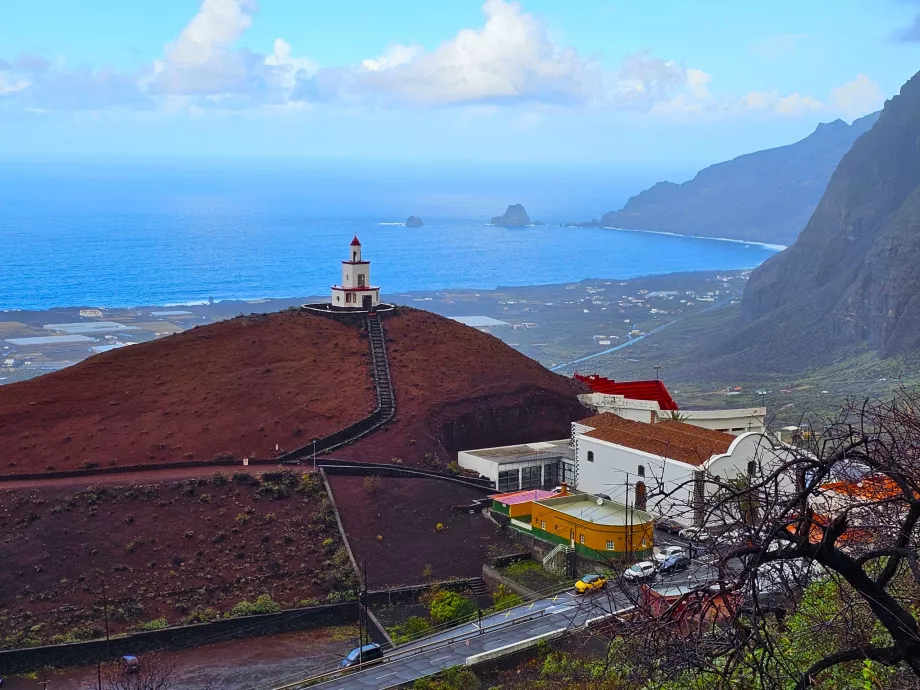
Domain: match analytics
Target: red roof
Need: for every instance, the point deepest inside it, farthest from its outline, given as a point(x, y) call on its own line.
point(675, 440)
point(526, 496)
point(356, 242)
point(634, 390)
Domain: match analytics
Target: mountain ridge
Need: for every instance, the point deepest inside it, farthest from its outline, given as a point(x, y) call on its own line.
point(731, 199)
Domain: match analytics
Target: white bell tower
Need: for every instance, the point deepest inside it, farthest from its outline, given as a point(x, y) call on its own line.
point(356, 291)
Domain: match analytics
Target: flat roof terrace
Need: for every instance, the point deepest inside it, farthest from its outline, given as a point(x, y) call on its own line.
point(526, 451)
point(598, 511)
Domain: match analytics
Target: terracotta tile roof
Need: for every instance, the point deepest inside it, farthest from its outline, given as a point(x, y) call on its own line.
point(674, 440)
point(632, 390)
point(526, 496)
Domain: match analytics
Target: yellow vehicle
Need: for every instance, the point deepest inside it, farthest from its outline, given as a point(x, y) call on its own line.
point(590, 583)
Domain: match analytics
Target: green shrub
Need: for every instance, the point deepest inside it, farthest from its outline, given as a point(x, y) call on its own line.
point(155, 624)
point(200, 615)
point(264, 604)
point(504, 598)
point(311, 484)
point(273, 490)
point(219, 479)
point(449, 607)
point(457, 678)
point(243, 478)
point(283, 477)
point(413, 628)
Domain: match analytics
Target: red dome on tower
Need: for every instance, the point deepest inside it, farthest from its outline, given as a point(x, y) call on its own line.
point(356, 242)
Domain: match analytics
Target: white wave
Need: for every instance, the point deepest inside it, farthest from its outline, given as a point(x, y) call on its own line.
point(765, 245)
point(390, 224)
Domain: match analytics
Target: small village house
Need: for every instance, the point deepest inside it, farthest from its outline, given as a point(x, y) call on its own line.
point(672, 468)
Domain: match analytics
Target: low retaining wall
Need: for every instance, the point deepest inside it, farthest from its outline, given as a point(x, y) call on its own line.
point(491, 575)
point(81, 653)
point(343, 467)
point(412, 592)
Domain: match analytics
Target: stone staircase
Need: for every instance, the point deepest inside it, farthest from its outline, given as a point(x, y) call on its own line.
point(383, 413)
point(386, 400)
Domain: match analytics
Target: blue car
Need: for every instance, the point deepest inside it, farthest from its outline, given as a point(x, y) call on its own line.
point(363, 655)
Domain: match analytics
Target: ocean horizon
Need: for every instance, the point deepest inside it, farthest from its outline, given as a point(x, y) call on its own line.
point(168, 233)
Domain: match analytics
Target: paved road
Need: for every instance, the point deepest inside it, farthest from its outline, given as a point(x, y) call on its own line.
point(452, 647)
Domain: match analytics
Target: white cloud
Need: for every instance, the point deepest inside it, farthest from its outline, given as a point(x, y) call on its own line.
point(394, 56)
point(771, 101)
point(511, 58)
point(857, 97)
point(11, 84)
point(289, 66)
point(201, 60)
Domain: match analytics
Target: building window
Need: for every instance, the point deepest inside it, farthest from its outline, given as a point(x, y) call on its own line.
point(530, 477)
point(752, 468)
point(610, 546)
point(590, 456)
point(641, 496)
point(641, 470)
point(508, 480)
point(360, 280)
point(354, 256)
point(581, 539)
point(543, 524)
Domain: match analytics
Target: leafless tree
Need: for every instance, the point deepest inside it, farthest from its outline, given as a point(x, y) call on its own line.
point(155, 671)
point(825, 537)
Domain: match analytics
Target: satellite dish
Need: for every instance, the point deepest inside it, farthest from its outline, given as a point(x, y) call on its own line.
point(600, 501)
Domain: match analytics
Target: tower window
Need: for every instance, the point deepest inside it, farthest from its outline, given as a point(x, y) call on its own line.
point(354, 256)
point(641, 470)
point(590, 456)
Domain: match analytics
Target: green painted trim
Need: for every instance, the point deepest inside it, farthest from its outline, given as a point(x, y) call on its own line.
point(583, 550)
point(501, 508)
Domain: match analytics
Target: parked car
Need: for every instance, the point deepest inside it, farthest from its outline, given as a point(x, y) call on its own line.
point(363, 655)
point(131, 663)
point(694, 534)
point(640, 571)
point(678, 561)
point(666, 524)
point(590, 583)
point(668, 551)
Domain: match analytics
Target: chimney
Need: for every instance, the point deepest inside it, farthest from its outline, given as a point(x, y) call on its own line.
point(565, 489)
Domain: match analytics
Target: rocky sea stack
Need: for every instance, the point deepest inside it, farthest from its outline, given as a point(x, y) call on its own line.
point(514, 217)
point(414, 222)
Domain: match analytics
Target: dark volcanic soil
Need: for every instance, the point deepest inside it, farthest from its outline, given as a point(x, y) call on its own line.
point(164, 550)
point(239, 387)
point(406, 512)
point(458, 388)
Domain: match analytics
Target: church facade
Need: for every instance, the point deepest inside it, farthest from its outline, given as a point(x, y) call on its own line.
point(356, 291)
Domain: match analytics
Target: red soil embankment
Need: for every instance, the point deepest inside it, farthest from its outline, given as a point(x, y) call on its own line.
point(458, 388)
point(406, 513)
point(239, 386)
point(169, 550)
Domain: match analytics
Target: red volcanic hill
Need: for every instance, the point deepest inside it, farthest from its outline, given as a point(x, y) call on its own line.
point(244, 386)
point(458, 388)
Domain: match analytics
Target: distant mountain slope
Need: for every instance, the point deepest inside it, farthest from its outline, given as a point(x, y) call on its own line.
point(852, 276)
point(766, 196)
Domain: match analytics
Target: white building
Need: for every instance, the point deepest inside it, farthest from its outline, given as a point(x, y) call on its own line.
point(541, 465)
point(670, 468)
point(737, 421)
point(356, 291)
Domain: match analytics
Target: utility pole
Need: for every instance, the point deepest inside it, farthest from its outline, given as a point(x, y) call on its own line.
point(99, 674)
point(314, 455)
point(367, 630)
point(105, 613)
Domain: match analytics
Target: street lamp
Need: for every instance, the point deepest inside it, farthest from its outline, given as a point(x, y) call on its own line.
point(314, 455)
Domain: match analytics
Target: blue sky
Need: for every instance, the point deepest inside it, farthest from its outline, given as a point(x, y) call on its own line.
point(539, 81)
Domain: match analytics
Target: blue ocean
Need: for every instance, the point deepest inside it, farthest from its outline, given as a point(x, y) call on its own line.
point(85, 233)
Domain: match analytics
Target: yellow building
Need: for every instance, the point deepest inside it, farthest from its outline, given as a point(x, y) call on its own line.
point(599, 528)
